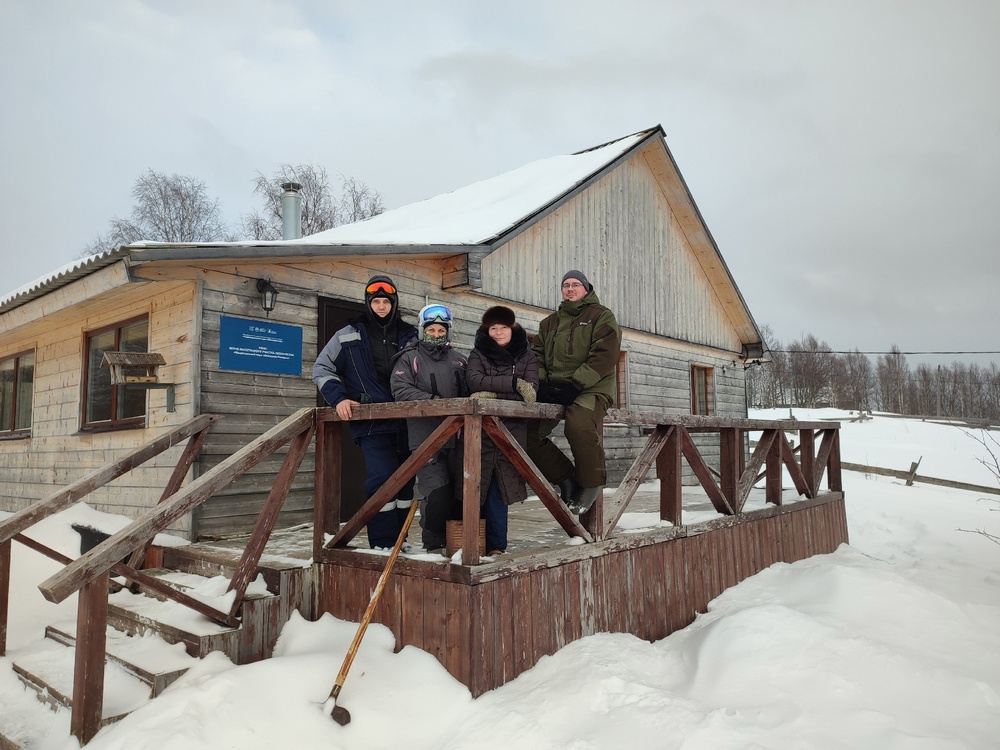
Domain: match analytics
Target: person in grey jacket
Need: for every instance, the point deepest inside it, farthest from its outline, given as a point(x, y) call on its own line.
point(502, 366)
point(430, 368)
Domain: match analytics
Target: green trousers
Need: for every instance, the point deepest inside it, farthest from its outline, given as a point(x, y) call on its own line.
point(583, 433)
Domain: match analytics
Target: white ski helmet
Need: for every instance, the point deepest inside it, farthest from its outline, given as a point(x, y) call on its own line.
point(435, 313)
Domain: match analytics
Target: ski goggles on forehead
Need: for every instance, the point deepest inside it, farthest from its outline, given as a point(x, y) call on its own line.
point(380, 286)
point(437, 313)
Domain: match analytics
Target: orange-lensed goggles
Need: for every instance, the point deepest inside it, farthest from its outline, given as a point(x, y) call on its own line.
point(380, 286)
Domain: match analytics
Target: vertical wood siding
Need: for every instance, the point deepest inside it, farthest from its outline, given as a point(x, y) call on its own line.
point(488, 632)
point(623, 235)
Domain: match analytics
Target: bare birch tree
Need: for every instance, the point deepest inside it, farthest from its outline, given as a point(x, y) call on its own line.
point(168, 208)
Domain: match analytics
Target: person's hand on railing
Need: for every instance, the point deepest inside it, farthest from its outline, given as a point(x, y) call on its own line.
point(345, 408)
point(526, 389)
point(483, 394)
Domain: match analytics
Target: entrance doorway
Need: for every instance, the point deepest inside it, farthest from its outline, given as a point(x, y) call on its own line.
point(334, 315)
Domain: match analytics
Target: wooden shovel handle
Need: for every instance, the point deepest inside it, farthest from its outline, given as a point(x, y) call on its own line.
point(372, 603)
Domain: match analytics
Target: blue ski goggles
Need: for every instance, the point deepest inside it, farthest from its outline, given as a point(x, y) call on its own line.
point(436, 314)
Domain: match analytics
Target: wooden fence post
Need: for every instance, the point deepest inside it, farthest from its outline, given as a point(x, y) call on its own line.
point(775, 466)
point(88, 672)
point(473, 468)
point(4, 593)
point(807, 459)
point(327, 478)
point(730, 462)
point(670, 472)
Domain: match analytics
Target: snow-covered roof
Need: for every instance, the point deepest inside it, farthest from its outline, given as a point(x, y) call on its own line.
point(473, 215)
point(477, 213)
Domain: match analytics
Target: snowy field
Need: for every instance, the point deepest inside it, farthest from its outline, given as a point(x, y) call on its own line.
point(890, 642)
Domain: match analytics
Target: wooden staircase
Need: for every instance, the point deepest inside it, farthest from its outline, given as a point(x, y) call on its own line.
point(152, 641)
point(253, 620)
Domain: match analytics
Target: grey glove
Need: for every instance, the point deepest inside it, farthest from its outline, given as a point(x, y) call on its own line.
point(483, 394)
point(527, 390)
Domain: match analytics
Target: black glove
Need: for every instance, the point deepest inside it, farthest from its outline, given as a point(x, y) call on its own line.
point(546, 393)
point(566, 395)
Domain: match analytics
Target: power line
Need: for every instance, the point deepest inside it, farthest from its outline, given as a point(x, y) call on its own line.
point(824, 351)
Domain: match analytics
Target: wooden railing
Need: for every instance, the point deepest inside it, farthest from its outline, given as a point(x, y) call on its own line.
point(670, 440)
point(90, 573)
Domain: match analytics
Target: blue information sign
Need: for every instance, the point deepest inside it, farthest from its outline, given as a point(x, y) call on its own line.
point(259, 346)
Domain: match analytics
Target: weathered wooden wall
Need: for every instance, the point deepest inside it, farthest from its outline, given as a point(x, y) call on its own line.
point(57, 453)
point(622, 233)
point(488, 624)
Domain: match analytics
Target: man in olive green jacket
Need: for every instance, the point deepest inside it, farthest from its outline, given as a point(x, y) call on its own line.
point(577, 348)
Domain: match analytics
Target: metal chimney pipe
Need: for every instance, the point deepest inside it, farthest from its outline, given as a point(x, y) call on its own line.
point(291, 211)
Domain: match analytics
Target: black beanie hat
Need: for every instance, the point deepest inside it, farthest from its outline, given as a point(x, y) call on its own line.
point(499, 314)
point(392, 297)
point(578, 275)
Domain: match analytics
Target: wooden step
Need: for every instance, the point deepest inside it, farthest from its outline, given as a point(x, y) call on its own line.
point(262, 614)
point(47, 668)
point(208, 560)
point(148, 658)
point(137, 614)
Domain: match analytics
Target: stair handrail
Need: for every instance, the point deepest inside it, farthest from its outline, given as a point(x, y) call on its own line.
point(89, 574)
point(103, 557)
point(73, 493)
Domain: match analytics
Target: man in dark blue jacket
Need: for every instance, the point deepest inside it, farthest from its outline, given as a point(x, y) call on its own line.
point(353, 369)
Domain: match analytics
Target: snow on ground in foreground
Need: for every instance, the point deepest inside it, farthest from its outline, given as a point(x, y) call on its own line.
point(889, 642)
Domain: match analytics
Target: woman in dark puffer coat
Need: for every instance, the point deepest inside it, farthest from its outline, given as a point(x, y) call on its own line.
point(502, 365)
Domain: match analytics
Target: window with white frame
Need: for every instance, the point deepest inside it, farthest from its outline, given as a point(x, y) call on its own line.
point(106, 405)
point(17, 384)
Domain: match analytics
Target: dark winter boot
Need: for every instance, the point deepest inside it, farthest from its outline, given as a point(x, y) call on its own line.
point(568, 488)
point(583, 499)
point(434, 513)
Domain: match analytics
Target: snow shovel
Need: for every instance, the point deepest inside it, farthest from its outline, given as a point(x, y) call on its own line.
point(340, 714)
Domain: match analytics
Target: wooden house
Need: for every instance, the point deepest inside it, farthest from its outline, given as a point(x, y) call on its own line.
point(620, 212)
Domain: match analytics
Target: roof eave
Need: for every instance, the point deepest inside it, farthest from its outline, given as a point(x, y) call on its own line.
point(255, 251)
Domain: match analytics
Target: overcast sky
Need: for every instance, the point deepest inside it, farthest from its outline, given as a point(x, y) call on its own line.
point(845, 155)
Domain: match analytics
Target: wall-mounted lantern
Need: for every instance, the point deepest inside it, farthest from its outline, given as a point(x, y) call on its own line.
point(268, 295)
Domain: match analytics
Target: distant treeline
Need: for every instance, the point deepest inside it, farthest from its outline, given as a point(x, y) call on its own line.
point(808, 373)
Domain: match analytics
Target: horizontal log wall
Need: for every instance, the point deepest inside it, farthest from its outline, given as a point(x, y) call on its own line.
point(252, 403)
point(57, 453)
point(500, 620)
